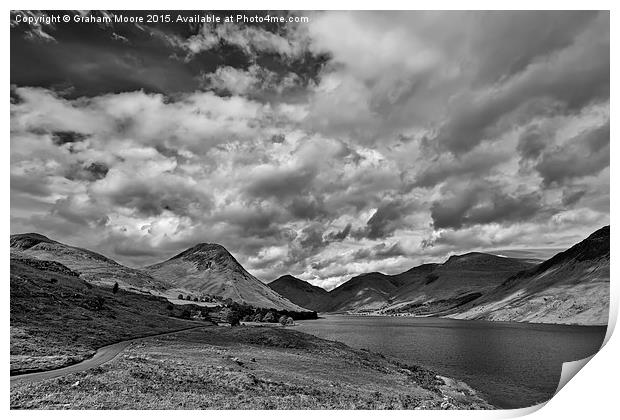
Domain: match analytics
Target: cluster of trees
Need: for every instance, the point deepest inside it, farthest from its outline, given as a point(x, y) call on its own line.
point(203, 298)
point(238, 312)
point(194, 313)
point(233, 312)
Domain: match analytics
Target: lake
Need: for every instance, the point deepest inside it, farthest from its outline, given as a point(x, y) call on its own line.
point(512, 365)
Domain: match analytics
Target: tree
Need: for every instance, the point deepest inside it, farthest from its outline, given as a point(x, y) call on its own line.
point(232, 317)
point(115, 288)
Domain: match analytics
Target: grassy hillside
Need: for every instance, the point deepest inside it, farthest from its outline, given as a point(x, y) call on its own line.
point(58, 319)
point(462, 278)
point(92, 266)
point(572, 287)
point(247, 368)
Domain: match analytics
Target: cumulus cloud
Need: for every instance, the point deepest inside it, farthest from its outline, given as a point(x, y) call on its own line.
point(303, 151)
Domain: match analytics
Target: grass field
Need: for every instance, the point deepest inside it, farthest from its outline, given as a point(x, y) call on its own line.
point(247, 368)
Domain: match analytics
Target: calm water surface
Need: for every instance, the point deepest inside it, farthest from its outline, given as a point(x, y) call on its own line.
point(511, 364)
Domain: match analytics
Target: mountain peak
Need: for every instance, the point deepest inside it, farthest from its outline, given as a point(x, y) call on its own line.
point(28, 240)
point(288, 277)
point(209, 268)
point(203, 248)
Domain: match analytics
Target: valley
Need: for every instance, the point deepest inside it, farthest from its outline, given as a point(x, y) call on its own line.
point(571, 287)
point(68, 302)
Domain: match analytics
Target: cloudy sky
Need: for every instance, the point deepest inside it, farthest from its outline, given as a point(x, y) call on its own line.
point(355, 142)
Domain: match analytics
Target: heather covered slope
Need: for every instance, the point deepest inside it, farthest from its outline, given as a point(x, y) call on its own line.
point(92, 266)
point(211, 269)
point(570, 288)
point(301, 293)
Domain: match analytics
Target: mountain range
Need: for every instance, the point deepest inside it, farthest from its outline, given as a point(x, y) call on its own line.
point(460, 278)
point(571, 287)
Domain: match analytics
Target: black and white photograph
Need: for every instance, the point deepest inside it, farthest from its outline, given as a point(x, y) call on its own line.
point(306, 210)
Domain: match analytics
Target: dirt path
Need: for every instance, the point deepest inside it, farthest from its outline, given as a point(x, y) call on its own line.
point(103, 355)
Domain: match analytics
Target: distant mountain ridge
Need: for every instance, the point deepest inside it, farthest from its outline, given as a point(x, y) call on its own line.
point(378, 292)
point(570, 287)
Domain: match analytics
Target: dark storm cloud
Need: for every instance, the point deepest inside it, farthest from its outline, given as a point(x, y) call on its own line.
point(477, 163)
point(388, 218)
point(572, 78)
point(521, 37)
point(90, 59)
point(483, 205)
point(87, 172)
point(153, 197)
point(63, 137)
point(533, 142)
point(572, 196)
point(340, 235)
point(281, 183)
point(307, 208)
point(379, 252)
point(586, 154)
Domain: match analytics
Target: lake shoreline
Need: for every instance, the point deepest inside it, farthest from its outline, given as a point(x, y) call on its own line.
point(459, 319)
point(512, 365)
point(235, 368)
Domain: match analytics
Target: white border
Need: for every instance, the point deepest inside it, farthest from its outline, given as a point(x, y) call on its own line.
point(591, 395)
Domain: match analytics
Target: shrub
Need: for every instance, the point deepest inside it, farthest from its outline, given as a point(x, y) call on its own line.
point(115, 288)
point(93, 302)
point(283, 319)
point(258, 317)
point(180, 297)
point(269, 317)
